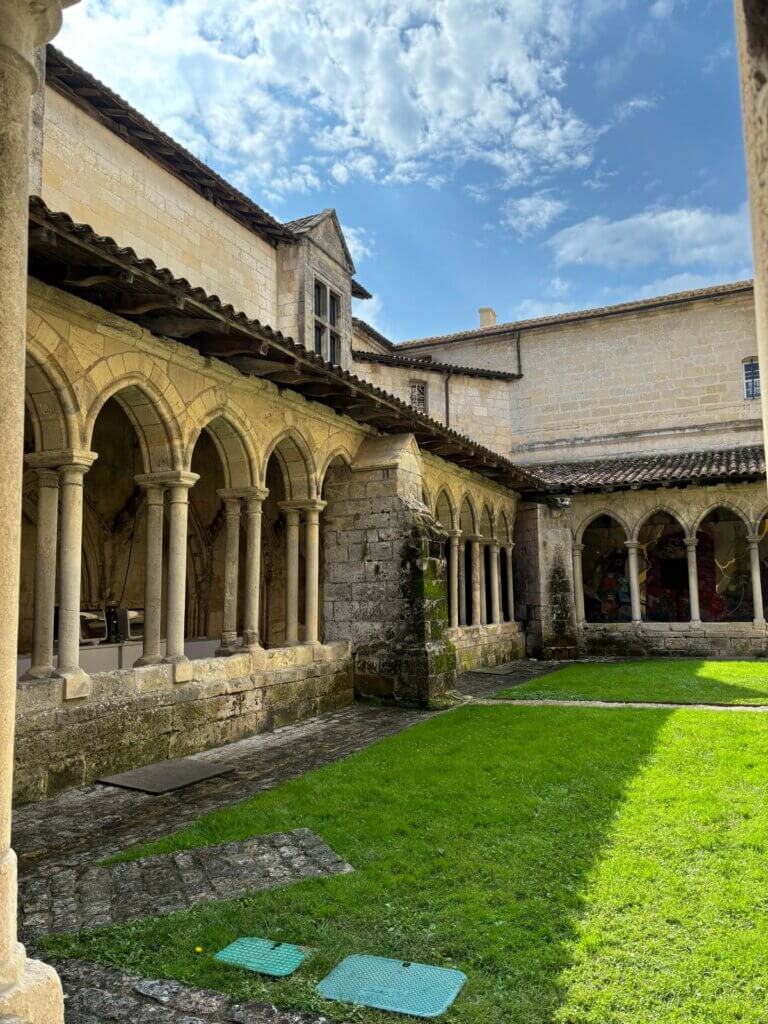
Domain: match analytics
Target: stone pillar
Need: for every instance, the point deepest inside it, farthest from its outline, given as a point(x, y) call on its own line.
point(510, 584)
point(29, 991)
point(693, 578)
point(179, 485)
point(495, 602)
point(757, 588)
point(578, 585)
point(76, 682)
point(633, 547)
point(154, 513)
point(462, 583)
point(252, 497)
point(45, 573)
point(752, 38)
point(453, 574)
point(475, 540)
point(232, 507)
point(483, 590)
point(291, 573)
point(312, 570)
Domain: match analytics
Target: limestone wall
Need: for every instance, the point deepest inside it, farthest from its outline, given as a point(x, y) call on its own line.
point(138, 716)
point(485, 646)
point(91, 174)
point(652, 380)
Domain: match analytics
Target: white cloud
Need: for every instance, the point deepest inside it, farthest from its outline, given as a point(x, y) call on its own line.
point(635, 105)
point(662, 8)
point(532, 213)
point(400, 89)
point(680, 237)
point(371, 311)
point(532, 309)
point(359, 243)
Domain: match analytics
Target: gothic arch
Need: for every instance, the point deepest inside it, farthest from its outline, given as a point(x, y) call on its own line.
point(232, 439)
point(578, 536)
point(468, 518)
point(339, 452)
point(296, 464)
point(741, 515)
point(151, 417)
point(51, 403)
point(653, 511)
point(445, 510)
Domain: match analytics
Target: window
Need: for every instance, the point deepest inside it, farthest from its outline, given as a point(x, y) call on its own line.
point(751, 378)
point(417, 395)
point(327, 322)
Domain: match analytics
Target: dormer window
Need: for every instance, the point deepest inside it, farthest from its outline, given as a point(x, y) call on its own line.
point(327, 322)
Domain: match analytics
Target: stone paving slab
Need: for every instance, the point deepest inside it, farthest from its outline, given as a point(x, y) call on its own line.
point(97, 995)
point(72, 900)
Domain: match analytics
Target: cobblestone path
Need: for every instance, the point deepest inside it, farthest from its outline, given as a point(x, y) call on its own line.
point(73, 900)
point(64, 836)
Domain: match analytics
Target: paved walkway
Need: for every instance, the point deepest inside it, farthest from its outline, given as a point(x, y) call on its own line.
point(64, 836)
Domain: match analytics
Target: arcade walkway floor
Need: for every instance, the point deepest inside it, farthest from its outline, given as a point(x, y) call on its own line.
point(579, 864)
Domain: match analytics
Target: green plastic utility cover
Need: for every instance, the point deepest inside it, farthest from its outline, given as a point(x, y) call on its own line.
point(263, 956)
point(402, 987)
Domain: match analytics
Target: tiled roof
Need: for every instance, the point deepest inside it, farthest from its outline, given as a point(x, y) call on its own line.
point(301, 225)
point(366, 328)
point(137, 289)
point(430, 365)
point(642, 471)
point(119, 117)
point(676, 298)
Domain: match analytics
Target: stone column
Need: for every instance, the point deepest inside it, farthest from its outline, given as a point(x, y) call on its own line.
point(45, 573)
point(76, 682)
point(179, 485)
point(154, 513)
point(252, 497)
point(475, 540)
point(633, 547)
point(291, 573)
point(495, 602)
point(693, 578)
point(752, 39)
point(232, 506)
point(29, 991)
point(578, 585)
point(312, 569)
point(757, 588)
point(510, 584)
point(483, 593)
point(453, 577)
point(462, 583)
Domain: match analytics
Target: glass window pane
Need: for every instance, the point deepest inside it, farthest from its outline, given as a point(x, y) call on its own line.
point(319, 333)
point(320, 298)
point(334, 350)
point(333, 314)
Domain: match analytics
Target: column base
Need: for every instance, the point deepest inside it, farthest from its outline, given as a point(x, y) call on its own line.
point(758, 623)
point(40, 672)
point(36, 998)
point(227, 649)
point(77, 683)
point(148, 659)
point(182, 667)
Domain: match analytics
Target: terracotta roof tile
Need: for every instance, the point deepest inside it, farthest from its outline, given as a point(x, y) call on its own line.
point(642, 471)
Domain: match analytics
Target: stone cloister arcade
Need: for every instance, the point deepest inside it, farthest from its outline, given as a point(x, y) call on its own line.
point(663, 568)
point(195, 516)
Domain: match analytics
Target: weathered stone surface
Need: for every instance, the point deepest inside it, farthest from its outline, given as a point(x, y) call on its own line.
point(74, 899)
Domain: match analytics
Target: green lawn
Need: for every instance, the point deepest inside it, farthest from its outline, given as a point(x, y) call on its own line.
point(672, 680)
point(582, 866)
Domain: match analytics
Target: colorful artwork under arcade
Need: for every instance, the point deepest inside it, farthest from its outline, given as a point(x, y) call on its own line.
point(606, 575)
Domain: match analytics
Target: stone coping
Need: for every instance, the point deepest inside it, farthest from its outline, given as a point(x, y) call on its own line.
point(689, 628)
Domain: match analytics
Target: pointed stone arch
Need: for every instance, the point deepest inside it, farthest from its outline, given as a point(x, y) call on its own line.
point(50, 402)
point(231, 436)
point(612, 514)
point(294, 458)
point(468, 518)
point(445, 510)
point(652, 512)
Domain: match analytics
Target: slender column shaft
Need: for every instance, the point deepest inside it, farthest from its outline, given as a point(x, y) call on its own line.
point(252, 568)
point(453, 578)
point(231, 573)
point(462, 583)
point(757, 589)
point(154, 511)
point(510, 584)
point(45, 571)
point(178, 513)
point(483, 589)
point(312, 570)
point(578, 585)
point(70, 563)
point(634, 579)
point(29, 993)
point(476, 561)
point(693, 578)
point(292, 576)
point(495, 602)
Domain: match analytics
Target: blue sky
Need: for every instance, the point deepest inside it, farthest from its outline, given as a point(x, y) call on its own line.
point(532, 155)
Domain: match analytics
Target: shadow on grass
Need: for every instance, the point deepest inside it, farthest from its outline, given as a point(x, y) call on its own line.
point(473, 837)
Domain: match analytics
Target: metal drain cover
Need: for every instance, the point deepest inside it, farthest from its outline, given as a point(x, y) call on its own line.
point(402, 987)
point(263, 956)
point(165, 776)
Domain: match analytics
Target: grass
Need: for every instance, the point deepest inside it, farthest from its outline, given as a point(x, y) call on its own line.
point(669, 680)
point(582, 866)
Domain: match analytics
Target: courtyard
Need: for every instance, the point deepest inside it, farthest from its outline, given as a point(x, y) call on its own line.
point(579, 864)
